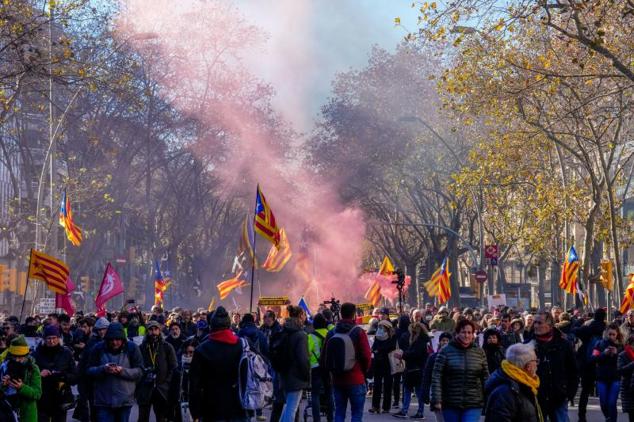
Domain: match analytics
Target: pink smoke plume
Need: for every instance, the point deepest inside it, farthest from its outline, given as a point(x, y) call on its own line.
point(388, 288)
point(196, 55)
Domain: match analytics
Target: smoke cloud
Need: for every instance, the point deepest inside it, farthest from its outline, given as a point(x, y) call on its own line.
point(197, 55)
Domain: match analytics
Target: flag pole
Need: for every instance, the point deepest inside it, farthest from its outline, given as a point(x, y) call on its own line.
point(254, 253)
point(26, 287)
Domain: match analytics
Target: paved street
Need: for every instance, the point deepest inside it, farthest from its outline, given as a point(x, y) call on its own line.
point(594, 414)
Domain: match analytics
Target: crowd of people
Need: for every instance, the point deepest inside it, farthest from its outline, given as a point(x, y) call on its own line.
point(460, 363)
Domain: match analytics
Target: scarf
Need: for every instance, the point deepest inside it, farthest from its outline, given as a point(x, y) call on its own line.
point(545, 338)
point(521, 376)
point(224, 336)
point(629, 351)
point(463, 345)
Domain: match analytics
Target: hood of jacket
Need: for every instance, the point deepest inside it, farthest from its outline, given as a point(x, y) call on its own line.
point(496, 379)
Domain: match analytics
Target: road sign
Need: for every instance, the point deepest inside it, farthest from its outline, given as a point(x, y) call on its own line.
point(491, 251)
point(494, 262)
point(481, 276)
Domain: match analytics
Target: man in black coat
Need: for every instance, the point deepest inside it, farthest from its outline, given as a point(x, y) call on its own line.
point(159, 361)
point(213, 374)
point(557, 369)
point(589, 333)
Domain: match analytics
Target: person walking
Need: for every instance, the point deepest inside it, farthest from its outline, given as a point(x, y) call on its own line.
point(625, 367)
point(458, 377)
point(605, 354)
point(159, 363)
point(556, 368)
point(443, 341)
point(58, 373)
point(256, 338)
point(175, 337)
point(21, 382)
point(213, 374)
point(384, 344)
point(296, 376)
point(415, 357)
point(512, 389)
point(115, 366)
point(492, 345)
point(349, 382)
point(589, 333)
point(320, 384)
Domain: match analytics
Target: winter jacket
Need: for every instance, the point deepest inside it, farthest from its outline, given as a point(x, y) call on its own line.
point(494, 354)
point(626, 368)
point(213, 378)
point(509, 400)
point(415, 357)
point(458, 377)
point(158, 369)
point(316, 342)
point(176, 342)
point(606, 365)
point(268, 331)
point(59, 360)
point(26, 398)
point(380, 351)
point(256, 338)
point(297, 377)
point(427, 377)
point(557, 372)
point(585, 333)
point(444, 324)
point(355, 376)
point(110, 390)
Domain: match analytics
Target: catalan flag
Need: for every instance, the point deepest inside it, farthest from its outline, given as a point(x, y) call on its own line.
point(265, 223)
point(438, 285)
point(373, 295)
point(570, 272)
point(247, 239)
point(227, 286)
point(52, 271)
point(628, 296)
point(277, 258)
point(160, 285)
point(387, 268)
point(66, 221)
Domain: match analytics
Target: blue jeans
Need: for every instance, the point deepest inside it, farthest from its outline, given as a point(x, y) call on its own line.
point(356, 395)
point(290, 407)
point(115, 414)
point(407, 397)
point(559, 414)
point(462, 415)
point(608, 395)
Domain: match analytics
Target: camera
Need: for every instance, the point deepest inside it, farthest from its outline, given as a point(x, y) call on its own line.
point(149, 375)
point(335, 307)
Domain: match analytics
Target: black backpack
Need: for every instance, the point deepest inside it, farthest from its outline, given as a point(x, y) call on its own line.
point(279, 351)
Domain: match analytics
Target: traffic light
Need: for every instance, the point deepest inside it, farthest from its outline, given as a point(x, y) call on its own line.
point(606, 277)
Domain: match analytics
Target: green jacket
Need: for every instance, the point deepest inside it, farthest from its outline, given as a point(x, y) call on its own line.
point(315, 345)
point(444, 324)
point(29, 394)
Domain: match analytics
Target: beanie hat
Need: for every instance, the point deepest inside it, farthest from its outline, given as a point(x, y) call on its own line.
point(220, 320)
point(152, 324)
point(202, 324)
point(51, 330)
point(102, 323)
point(19, 346)
point(115, 331)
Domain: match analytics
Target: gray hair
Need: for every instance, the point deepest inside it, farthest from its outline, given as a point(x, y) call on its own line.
point(520, 354)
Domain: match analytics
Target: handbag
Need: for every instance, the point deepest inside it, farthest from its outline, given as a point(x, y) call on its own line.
point(397, 365)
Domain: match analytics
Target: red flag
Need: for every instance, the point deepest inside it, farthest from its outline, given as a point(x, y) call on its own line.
point(111, 286)
point(63, 301)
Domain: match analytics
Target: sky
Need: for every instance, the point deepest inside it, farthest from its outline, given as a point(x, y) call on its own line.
point(310, 41)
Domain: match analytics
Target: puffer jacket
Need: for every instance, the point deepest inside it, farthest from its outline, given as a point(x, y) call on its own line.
point(626, 368)
point(557, 371)
point(458, 377)
point(298, 375)
point(509, 400)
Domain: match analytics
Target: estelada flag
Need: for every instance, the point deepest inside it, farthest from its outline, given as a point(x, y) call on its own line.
point(628, 296)
point(50, 270)
point(387, 268)
point(570, 272)
point(111, 286)
point(373, 295)
point(264, 223)
point(73, 232)
point(439, 285)
point(227, 286)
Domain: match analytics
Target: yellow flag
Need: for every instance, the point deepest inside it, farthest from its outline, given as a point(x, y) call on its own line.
point(387, 268)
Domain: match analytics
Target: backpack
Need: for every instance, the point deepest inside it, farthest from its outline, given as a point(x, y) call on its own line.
point(255, 384)
point(340, 353)
point(279, 352)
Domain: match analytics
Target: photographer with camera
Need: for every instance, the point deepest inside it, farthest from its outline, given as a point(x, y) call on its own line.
point(159, 361)
point(21, 382)
point(58, 373)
